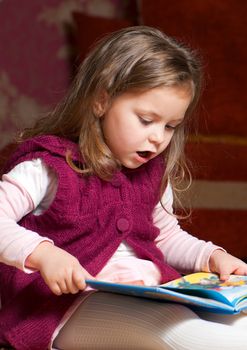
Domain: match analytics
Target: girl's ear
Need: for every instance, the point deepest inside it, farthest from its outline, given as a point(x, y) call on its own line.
point(101, 104)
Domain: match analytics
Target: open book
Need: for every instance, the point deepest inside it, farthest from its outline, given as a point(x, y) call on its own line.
point(201, 289)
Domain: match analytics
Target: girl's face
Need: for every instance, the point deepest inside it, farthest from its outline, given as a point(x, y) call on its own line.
point(138, 126)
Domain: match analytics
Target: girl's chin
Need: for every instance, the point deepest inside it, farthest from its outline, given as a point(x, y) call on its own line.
point(134, 163)
point(129, 165)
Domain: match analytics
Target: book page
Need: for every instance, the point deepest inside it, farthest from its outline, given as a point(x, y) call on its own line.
point(209, 285)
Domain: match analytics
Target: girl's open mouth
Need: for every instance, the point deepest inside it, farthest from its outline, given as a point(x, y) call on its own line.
point(144, 154)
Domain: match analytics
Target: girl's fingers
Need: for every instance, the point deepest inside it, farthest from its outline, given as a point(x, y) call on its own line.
point(79, 280)
point(224, 277)
point(67, 285)
point(71, 282)
point(71, 286)
point(241, 271)
point(224, 274)
point(63, 287)
point(56, 289)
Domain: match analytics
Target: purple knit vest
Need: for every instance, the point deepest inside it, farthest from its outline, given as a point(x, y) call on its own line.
point(89, 218)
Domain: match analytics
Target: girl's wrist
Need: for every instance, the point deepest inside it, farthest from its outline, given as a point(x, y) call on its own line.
point(34, 260)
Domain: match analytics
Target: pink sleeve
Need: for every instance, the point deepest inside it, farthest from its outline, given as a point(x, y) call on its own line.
point(183, 251)
point(16, 243)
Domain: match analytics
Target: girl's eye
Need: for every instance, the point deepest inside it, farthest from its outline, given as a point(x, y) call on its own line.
point(144, 121)
point(170, 127)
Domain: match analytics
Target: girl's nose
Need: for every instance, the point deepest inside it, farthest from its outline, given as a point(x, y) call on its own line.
point(157, 135)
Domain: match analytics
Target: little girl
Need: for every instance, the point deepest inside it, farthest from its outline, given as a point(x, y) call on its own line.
point(89, 194)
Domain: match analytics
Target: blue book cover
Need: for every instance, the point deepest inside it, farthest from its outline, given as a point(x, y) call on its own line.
point(200, 290)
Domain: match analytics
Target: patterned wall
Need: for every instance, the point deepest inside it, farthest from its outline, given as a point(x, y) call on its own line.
point(35, 55)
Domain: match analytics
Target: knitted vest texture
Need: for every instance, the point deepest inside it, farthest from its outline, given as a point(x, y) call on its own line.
point(89, 218)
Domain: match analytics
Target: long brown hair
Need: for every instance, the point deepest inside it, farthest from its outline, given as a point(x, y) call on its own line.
point(138, 58)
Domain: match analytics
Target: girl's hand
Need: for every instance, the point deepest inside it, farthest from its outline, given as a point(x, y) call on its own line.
point(225, 264)
point(60, 270)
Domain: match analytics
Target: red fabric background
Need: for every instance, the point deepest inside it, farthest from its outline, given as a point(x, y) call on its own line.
point(218, 29)
point(88, 29)
point(218, 161)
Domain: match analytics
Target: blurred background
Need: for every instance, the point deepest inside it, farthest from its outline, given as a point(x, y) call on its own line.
point(43, 41)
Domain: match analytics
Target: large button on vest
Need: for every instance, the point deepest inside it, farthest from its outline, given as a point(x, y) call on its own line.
point(123, 224)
